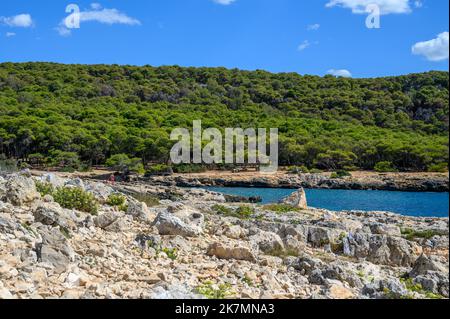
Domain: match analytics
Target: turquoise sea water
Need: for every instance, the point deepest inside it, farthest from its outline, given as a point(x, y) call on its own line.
point(406, 203)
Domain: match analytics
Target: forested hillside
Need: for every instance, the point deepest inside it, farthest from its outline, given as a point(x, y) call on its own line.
point(76, 114)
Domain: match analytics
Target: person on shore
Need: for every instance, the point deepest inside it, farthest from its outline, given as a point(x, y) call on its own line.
point(112, 179)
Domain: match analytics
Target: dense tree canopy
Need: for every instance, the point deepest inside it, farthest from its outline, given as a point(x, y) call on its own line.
point(58, 113)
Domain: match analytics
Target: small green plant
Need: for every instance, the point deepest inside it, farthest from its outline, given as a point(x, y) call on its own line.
point(416, 287)
point(171, 253)
point(340, 174)
point(247, 281)
point(222, 210)
point(76, 198)
point(44, 188)
point(439, 168)
point(211, 291)
point(116, 200)
point(412, 234)
point(123, 207)
point(65, 232)
point(385, 167)
point(281, 208)
point(242, 212)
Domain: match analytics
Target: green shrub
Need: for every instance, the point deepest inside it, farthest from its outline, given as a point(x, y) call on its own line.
point(68, 161)
point(44, 188)
point(340, 174)
point(76, 198)
point(171, 253)
point(209, 290)
point(116, 200)
point(438, 168)
point(281, 208)
point(315, 171)
point(242, 212)
point(412, 234)
point(122, 163)
point(159, 169)
point(384, 167)
point(222, 210)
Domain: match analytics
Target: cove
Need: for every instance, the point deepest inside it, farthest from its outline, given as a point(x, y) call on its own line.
point(419, 204)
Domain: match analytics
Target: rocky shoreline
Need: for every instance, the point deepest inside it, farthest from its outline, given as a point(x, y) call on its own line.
point(427, 182)
point(169, 242)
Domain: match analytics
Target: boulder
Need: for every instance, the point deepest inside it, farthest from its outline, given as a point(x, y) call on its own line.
point(7, 225)
point(21, 190)
point(54, 249)
point(53, 214)
point(321, 236)
point(109, 221)
point(169, 224)
point(336, 291)
point(403, 252)
point(139, 210)
point(423, 265)
point(100, 191)
point(52, 179)
point(296, 199)
point(385, 229)
point(268, 242)
point(238, 252)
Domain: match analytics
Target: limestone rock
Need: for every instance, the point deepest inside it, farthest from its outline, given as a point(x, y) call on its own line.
point(139, 210)
point(110, 221)
point(296, 199)
point(54, 249)
point(53, 214)
point(21, 190)
point(238, 252)
point(268, 242)
point(168, 224)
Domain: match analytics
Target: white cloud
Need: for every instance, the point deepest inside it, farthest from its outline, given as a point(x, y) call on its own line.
point(304, 45)
point(224, 2)
point(313, 27)
point(340, 73)
point(96, 6)
point(435, 49)
point(386, 6)
point(20, 21)
point(10, 34)
point(100, 15)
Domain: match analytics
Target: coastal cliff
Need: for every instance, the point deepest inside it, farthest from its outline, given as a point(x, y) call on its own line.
point(141, 241)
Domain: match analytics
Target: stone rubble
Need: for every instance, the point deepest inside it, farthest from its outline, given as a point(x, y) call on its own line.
point(187, 247)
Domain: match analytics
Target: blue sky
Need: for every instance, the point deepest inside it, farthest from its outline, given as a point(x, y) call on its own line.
point(307, 36)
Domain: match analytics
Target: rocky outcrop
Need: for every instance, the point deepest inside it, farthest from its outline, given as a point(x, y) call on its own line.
point(427, 182)
point(191, 243)
point(169, 224)
point(20, 190)
point(237, 252)
point(296, 199)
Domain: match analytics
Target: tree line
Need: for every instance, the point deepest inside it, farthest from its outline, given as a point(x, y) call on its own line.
point(83, 115)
